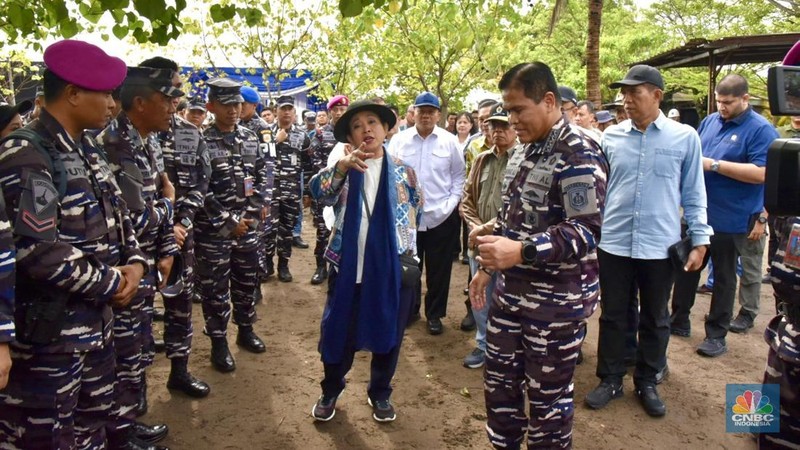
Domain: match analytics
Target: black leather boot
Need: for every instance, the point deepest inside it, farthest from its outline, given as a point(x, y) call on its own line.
point(283, 270)
point(141, 407)
point(321, 274)
point(149, 434)
point(181, 380)
point(468, 322)
point(248, 340)
point(221, 357)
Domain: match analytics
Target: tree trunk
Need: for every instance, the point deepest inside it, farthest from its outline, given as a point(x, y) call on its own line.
point(593, 53)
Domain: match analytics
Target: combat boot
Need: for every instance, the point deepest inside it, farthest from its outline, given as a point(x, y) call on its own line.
point(269, 270)
point(141, 405)
point(248, 340)
point(221, 357)
point(283, 270)
point(181, 380)
point(321, 273)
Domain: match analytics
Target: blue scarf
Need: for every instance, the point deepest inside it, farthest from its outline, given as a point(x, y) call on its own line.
point(376, 327)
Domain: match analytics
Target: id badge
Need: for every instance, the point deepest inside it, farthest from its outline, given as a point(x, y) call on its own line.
point(293, 159)
point(248, 186)
point(791, 256)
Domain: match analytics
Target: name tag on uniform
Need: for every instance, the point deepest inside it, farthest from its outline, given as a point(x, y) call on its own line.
point(296, 140)
point(791, 256)
point(328, 136)
point(215, 151)
point(293, 159)
point(188, 159)
point(249, 148)
point(185, 140)
point(249, 183)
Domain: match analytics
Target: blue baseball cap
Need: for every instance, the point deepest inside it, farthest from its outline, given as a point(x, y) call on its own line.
point(250, 95)
point(427, 99)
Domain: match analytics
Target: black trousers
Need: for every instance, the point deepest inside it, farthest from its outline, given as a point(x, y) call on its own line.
point(435, 249)
point(618, 276)
point(683, 297)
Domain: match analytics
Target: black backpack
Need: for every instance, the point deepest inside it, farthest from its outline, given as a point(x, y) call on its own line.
point(48, 152)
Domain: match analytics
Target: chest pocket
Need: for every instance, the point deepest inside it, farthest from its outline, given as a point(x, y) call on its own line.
point(82, 217)
point(188, 167)
point(220, 158)
point(667, 163)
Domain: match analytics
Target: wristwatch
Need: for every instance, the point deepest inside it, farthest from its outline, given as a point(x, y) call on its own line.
point(715, 165)
point(528, 252)
point(762, 220)
point(186, 222)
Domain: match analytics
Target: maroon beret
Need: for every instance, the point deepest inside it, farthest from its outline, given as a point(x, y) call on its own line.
point(85, 65)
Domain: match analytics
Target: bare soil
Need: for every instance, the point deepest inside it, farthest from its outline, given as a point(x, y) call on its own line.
point(266, 402)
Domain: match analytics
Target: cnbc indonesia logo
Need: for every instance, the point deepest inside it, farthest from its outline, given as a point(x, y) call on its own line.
point(753, 408)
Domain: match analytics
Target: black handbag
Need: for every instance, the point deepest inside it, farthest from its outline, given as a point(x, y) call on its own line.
point(679, 254)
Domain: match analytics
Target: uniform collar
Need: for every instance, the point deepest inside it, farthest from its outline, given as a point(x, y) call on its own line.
point(56, 131)
point(659, 123)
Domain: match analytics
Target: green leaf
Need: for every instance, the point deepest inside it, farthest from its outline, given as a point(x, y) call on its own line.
point(350, 8)
point(69, 28)
point(221, 13)
point(15, 15)
point(152, 9)
point(120, 31)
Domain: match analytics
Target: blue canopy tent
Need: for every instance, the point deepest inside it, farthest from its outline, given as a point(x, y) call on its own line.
point(295, 84)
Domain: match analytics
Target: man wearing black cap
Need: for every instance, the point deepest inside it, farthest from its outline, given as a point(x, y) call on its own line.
point(290, 140)
point(135, 157)
point(226, 237)
point(435, 155)
point(77, 256)
point(11, 117)
point(196, 112)
point(655, 170)
point(187, 166)
point(569, 102)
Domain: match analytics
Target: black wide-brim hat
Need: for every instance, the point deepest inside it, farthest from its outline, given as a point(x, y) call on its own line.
point(342, 127)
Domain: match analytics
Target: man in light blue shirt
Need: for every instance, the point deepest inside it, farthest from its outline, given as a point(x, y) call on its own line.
point(656, 169)
point(434, 155)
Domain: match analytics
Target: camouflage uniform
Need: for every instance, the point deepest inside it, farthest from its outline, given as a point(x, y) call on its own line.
point(137, 163)
point(264, 132)
point(7, 277)
point(322, 145)
point(783, 337)
point(537, 315)
point(236, 160)
point(186, 163)
point(60, 394)
point(286, 199)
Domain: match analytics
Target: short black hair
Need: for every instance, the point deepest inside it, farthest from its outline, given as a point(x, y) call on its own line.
point(588, 104)
point(159, 62)
point(53, 85)
point(130, 91)
point(733, 84)
point(534, 78)
point(183, 104)
point(486, 102)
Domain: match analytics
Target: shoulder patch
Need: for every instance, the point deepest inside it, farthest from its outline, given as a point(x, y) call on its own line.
point(38, 208)
point(579, 196)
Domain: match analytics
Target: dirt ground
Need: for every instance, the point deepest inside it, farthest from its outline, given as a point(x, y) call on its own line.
point(266, 402)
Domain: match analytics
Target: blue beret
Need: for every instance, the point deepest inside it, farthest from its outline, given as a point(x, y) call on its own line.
point(250, 95)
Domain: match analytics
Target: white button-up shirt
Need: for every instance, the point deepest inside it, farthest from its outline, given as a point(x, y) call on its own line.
point(440, 169)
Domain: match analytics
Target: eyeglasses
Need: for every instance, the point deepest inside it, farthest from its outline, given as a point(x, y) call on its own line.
point(566, 110)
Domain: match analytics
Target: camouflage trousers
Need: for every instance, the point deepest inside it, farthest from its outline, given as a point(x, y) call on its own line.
point(783, 369)
point(57, 401)
point(284, 209)
point(323, 233)
point(227, 273)
point(178, 329)
point(523, 355)
point(133, 333)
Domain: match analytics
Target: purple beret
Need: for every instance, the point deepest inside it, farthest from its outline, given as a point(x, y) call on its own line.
point(85, 65)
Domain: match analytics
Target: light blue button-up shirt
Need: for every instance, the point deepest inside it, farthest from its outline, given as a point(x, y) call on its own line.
point(653, 174)
point(440, 169)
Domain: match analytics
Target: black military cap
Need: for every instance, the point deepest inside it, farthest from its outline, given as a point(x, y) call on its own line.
point(285, 100)
point(158, 79)
point(499, 114)
point(568, 94)
point(197, 102)
point(640, 74)
point(225, 90)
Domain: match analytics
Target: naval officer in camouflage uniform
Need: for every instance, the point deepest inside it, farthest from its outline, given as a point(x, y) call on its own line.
point(290, 140)
point(77, 255)
point(544, 252)
point(322, 144)
point(226, 237)
point(187, 167)
point(134, 155)
point(250, 120)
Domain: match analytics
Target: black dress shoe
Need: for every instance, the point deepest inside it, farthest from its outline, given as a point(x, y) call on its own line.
point(283, 274)
point(149, 434)
point(221, 357)
point(141, 406)
point(320, 275)
point(468, 322)
point(435, 326)
point(651, 402)
point(298, 242)
point(248, 340)
point(188, 384)
point(136, 444)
